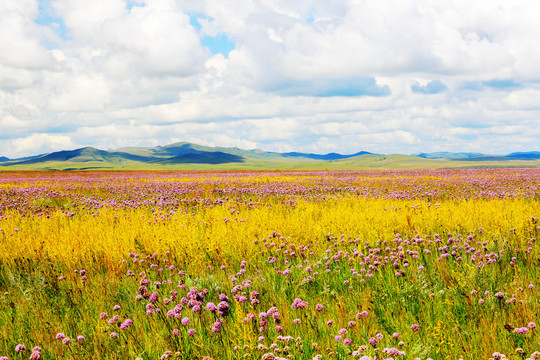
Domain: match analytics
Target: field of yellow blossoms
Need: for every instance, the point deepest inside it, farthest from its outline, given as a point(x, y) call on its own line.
point(439, 264)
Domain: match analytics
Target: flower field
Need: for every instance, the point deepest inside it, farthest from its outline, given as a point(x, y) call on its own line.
point(439, 264)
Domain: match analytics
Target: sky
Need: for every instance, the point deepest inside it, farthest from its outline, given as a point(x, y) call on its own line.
point(385, 76)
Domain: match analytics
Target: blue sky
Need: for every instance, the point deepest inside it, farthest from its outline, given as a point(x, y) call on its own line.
point(392, 76)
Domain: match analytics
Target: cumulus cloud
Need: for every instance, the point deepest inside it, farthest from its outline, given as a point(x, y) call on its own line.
point(38, 144)
point(313, 75)
point(432, 87)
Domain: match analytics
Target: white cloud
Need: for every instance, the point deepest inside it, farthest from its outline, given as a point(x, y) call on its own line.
point(38, 143)
point(301, 77)
point(20, 37)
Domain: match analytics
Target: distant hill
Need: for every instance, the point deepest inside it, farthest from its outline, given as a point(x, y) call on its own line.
point(525, 155)
point(330, 156)
point(447, 155)
point(183, 155)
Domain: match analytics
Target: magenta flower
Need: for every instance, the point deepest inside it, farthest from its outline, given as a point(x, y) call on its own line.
point(20, 348)
point(347, 341)
point(66, 341)
point(60, 336)
point(113, 335)
point(415, 327)
point(319, 307)
point(362, 314)
point(531, 325)
point(80, 338)
point(299, 304)
point(185, 321)
point(154, 297)
point(191, 332)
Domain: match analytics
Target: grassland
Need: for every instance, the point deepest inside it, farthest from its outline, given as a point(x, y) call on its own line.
point(439, 264)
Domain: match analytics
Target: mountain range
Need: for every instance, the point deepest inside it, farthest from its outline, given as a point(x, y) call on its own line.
point(190, 156)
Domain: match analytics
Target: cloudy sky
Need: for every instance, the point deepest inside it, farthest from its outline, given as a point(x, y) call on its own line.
point(387, 76)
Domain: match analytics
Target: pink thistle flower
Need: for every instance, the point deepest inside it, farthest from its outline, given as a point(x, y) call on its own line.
point(319, 307)
point(415, 327)
point(113, 335)
point(185, 321)
point(80, 338)
point(154, 297)
point(347, 341)
point(60, 336)
point(116, 307)
point(531, 325)
point(66, 341)
point(362, 314)
point(191, 332)
point(20, 348)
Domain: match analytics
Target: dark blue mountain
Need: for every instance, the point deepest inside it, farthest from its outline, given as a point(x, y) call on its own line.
point(330, 156)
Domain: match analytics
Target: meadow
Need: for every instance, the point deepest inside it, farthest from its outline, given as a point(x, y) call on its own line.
point(403, 264)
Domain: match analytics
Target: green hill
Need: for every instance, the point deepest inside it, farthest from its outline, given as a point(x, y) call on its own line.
point(187, 156)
